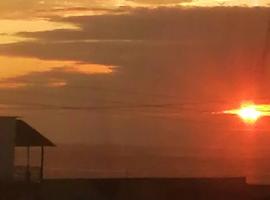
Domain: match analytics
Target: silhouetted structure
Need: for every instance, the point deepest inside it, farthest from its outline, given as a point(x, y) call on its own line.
point(17, 133)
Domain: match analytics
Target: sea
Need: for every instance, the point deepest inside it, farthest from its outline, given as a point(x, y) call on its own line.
point(83, 161)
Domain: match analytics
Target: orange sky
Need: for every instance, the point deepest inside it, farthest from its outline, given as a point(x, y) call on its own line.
point(250, 3)
point(158, 77)
point(114, 58)
point(14, 7)
point(136, 72)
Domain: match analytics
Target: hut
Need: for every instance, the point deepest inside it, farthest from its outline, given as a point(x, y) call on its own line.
point(14, 133)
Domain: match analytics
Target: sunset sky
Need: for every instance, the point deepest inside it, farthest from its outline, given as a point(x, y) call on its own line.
point(136, 72)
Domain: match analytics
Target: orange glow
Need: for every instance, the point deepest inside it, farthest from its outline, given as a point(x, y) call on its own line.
point(13, 67)
point(210, 3)
point(19, 66)
point(250, 112)
point(9, 28)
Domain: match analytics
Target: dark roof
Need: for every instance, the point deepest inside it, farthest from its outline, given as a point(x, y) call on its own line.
point(28, 136)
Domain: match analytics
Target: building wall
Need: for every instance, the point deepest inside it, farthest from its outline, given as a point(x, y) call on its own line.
point(7, 144)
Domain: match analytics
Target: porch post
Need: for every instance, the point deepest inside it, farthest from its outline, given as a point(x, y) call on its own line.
point(42, 164)
point(28, 174)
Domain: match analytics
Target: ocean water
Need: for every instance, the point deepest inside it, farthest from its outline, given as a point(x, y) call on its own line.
point(101, 162)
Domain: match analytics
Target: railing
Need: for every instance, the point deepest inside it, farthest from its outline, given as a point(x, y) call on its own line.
point(21, 174)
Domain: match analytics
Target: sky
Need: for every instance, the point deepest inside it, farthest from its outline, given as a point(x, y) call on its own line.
point(132, 72)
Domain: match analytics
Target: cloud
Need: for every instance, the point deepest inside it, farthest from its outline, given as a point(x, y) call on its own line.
point(35, 77)
point(78, 11)
point(33, 8)
point(159, 2)
point(173, 24)
point(142, 36)
point(199, 43)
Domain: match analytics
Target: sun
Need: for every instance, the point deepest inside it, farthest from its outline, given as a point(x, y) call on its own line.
point(249, 113)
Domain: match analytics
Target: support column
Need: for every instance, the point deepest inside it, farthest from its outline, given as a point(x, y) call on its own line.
point(28, 173)
point(42, 164)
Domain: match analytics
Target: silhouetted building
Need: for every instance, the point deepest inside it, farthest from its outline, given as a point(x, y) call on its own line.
point(17, 133)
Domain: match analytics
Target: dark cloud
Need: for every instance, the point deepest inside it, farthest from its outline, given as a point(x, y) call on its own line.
point(164, 24)
point(202, 43)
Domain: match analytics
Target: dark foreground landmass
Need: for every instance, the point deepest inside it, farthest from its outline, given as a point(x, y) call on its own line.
point(138, 189)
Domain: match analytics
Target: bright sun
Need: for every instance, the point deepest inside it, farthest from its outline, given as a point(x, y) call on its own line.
point(249, 113)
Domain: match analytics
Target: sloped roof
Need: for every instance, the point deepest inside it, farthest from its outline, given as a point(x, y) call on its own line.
point(28, 136)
